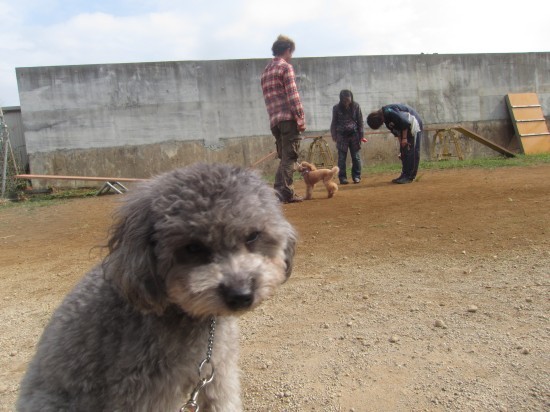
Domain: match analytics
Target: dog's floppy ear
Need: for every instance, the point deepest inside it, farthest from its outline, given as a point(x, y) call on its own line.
point(131, 263)
point(290, 249)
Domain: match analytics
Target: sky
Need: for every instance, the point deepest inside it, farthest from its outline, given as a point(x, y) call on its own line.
point(74, 32)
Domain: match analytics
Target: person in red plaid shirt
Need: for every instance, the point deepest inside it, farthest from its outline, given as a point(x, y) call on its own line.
point(286, 115)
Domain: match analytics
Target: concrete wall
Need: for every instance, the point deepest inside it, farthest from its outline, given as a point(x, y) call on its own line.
point(135, 120)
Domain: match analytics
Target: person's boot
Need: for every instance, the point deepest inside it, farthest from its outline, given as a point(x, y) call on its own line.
point(403, 180)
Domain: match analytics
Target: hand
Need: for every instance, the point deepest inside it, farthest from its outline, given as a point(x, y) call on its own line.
point(364, 140)
point(301, 125)
point(404, 143)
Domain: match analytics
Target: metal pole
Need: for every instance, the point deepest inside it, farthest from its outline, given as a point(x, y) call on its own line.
point(4, 135)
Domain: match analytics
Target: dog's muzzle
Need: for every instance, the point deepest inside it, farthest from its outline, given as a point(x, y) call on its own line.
point(236, 298)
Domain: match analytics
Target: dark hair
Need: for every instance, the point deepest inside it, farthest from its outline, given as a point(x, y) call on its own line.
point(375, 120)
point(346, 93)
point(282, 44)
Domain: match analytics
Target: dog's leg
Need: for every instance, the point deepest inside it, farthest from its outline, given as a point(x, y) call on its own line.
point(309, 192)
point(331, 187)
point(328, 187)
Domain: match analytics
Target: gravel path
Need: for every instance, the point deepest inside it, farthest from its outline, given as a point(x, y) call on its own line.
point(432, 296)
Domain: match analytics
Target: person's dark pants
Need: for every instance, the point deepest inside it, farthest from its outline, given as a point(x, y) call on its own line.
point(410, 157)
point(287, 141)
point(355, 163)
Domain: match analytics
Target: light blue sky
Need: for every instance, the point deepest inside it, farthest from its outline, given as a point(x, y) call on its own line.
point(67, 32)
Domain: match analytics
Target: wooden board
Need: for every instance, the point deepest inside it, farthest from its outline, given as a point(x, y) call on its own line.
point(529, 122)
point(86, 178)
point(536, 144)
point(532, 128)
point(484, 141)
point(528, 113)
point(523, 99)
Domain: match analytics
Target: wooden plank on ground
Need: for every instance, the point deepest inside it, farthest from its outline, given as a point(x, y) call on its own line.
point(484, 141)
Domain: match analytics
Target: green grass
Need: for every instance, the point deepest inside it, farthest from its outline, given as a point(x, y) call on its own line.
point(489, 163)
point(68, 194)
point(484, 163)
point(47, 199)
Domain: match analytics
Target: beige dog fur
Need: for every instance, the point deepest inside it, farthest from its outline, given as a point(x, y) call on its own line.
point(312, 176)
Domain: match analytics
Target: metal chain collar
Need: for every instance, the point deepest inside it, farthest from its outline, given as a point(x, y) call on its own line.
point(210, 339)
point(192, 405)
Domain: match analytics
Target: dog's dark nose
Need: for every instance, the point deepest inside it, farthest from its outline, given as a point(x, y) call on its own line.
point(236, 298)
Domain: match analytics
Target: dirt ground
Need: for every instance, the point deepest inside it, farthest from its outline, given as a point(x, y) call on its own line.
point(432, 296)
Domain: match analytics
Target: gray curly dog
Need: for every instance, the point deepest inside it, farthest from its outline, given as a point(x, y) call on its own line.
point(195, 243)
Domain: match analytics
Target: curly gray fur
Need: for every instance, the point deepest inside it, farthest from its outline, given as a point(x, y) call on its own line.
point(202, 241)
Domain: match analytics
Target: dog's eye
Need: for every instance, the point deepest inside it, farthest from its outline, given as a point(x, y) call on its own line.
point(194, 251)
point(251, 238)
point(196, 248)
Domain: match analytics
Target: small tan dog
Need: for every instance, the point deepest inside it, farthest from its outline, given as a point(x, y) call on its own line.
point(312, 176)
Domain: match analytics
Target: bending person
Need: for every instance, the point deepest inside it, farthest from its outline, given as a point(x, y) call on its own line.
point(405, 124)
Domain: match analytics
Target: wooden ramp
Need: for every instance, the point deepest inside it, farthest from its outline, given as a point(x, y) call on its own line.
point(529, 122)
point(484, 141)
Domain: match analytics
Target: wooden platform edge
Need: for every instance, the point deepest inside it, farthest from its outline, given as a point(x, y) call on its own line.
point(86, 178)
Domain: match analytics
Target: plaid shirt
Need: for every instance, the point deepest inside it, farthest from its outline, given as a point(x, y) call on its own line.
point(281, 94)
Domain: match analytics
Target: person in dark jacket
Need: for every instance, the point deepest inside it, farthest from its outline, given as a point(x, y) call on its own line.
point(346, 129)
point(405, 124)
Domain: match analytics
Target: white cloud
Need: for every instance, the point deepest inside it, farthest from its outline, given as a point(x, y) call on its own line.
point(60, 32)
point(100, 38)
